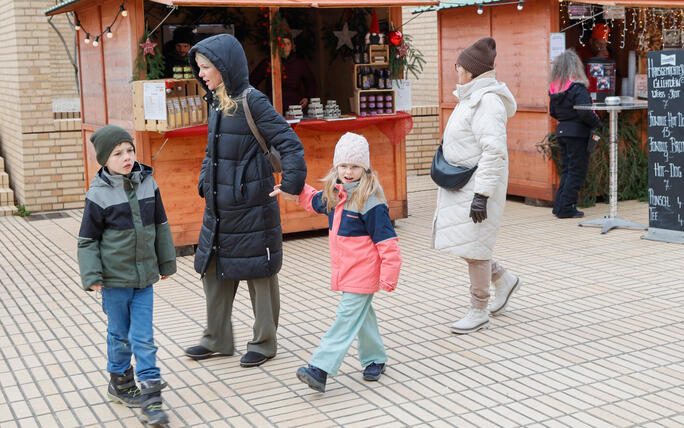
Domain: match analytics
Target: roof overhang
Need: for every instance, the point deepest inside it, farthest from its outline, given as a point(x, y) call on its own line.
point(456, 3)
point(296, 3)
point(71, 5)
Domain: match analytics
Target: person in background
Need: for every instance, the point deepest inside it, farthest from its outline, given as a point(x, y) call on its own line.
point(125, 246)
point(298, 83)
point(364, 257)
point(467, 220)
point(176, 51)
point(569, 88)
point(598, 44)
point(241, 238)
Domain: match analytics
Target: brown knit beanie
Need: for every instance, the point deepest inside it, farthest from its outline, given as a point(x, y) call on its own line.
point(479, 57)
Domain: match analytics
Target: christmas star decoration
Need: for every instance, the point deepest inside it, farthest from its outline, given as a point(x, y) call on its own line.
point(344, 37)
point(292, 31)
point(148, 47)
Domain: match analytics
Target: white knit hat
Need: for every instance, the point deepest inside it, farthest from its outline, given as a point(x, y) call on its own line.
point(352, 149)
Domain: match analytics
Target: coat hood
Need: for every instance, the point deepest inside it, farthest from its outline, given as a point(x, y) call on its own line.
point(228, 56)
point(486, 83)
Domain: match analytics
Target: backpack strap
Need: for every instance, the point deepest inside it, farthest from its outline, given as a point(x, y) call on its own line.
point(250, 121)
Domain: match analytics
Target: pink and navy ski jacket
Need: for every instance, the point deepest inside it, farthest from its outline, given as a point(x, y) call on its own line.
point(364, 249)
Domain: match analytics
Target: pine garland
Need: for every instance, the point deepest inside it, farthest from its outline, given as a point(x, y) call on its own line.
point(405, 59)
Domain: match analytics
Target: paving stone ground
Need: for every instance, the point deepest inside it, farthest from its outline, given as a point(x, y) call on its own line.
point(593, 338)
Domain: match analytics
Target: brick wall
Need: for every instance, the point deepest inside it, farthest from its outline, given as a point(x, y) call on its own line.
point(422, 142)
point(45, 167)
point(423, 29)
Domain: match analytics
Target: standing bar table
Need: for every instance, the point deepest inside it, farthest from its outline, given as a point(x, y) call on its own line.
point(612, 220)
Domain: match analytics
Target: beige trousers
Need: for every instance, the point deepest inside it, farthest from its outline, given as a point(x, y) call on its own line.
point(481, 273)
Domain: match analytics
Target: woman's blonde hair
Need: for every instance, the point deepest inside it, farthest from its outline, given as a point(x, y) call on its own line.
point(226, 103)
point(369, 185)
point(567, 67)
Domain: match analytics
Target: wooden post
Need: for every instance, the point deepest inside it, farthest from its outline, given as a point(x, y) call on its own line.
point(276, 75)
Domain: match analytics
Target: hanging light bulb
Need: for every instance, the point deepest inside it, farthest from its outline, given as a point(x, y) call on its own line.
point(78, 25)
point(96, 42)
point(87, 39)
point(123, 11)
point(480, 11)
point(520, 5)
point(109, 33)
point(194, 30)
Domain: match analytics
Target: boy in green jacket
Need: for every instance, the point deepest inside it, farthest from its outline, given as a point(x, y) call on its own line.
point(124, 246)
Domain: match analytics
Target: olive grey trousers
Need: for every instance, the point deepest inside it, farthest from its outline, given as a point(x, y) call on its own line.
point(220, 294)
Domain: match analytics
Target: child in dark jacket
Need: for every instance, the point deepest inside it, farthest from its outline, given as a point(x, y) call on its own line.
point(124, 246)
point(568, 89)
point(364, 257)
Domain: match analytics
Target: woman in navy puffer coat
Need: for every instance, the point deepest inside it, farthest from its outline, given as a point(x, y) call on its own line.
point(241, 238)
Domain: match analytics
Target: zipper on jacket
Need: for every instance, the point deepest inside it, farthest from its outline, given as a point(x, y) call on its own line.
point(268, 254)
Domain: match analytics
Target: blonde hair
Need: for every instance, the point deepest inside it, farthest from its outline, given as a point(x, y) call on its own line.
point(567, 67)
point(226, 103)
point(369, 185)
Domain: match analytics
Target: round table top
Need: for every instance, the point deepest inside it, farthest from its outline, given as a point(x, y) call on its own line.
point(628, 105)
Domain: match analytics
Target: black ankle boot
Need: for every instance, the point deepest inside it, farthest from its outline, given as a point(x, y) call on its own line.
point(152, 412)
point(122, 389)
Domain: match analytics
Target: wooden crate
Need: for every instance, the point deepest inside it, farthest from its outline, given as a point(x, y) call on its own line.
point(378, 54)
point(179, 99)
point(358, 93)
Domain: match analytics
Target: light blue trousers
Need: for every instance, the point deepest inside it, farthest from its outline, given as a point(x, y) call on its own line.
point(355, 317)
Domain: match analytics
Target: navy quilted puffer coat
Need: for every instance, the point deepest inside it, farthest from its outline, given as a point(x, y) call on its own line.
point(241, 222)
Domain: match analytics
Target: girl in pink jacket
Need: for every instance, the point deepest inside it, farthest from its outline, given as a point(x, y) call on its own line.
point(364, 257)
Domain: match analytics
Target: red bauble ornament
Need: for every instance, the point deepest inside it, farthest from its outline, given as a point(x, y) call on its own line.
point(395, 37)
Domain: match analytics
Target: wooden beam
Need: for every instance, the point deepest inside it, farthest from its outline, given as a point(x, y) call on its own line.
point(276, 75)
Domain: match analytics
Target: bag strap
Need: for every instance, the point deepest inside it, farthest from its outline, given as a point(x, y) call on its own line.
point(250, 121)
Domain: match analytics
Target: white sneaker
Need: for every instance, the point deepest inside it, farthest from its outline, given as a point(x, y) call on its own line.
point(504, 288)
point(473, 321)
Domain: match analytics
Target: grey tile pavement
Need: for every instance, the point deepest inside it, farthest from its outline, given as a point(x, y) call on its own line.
point(593, 338)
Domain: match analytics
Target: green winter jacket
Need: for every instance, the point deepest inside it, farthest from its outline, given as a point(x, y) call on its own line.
point(125, 239)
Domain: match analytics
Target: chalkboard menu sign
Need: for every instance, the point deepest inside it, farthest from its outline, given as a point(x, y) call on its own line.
point(665, 73)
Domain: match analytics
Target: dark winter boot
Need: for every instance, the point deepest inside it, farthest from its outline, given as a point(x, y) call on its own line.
point(122, 389)
point(152, 413)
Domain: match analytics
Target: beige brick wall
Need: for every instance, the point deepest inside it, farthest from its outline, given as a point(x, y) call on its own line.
point(422, 142)
point(423, 29)
point(45, 167)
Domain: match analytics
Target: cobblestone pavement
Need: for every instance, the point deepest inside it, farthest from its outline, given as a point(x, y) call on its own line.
point(593, 338)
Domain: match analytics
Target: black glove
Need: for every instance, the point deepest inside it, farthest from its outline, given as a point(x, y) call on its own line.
point(478, 209)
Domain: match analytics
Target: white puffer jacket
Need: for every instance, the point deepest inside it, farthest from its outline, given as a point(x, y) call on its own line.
point(475, 135)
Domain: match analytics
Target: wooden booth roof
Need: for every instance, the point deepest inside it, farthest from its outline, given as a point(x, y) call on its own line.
point(71, 5)
point(628, 3)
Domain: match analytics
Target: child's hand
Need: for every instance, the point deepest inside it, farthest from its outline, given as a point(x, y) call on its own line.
point(164, 276)
point(387, 286)
point(276, 191)
point(96, 287)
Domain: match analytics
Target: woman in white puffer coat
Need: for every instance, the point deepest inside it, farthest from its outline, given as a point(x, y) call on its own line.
point(467, 220)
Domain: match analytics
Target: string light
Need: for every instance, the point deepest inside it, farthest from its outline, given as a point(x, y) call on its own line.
point(520, 5)
point(480, 11)
point(107, 32)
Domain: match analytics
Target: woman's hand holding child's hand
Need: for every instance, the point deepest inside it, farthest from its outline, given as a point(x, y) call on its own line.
point(276, 191)
point(387, 286)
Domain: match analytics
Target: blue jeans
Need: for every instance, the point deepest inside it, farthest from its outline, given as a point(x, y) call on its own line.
point(130, 331)
point(355, 317)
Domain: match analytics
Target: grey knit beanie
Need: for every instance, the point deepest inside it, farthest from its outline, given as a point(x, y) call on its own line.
point(106, 138)
point(352, 149)
point(479, 57)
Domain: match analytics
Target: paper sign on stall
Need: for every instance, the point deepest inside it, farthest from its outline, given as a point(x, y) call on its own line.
point(154, 100)
point(402, 89)
point(556, 45)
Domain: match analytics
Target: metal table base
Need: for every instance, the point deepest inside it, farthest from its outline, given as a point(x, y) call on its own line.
point(612, 221)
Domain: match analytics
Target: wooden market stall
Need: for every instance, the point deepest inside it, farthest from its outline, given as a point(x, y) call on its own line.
point(522, 30)
point(106, 67)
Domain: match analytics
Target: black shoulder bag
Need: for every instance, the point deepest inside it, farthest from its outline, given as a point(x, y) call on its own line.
point(449, 176)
